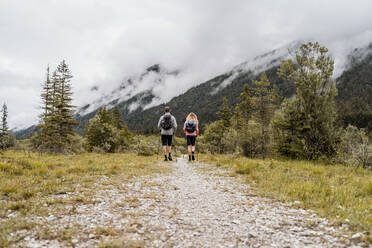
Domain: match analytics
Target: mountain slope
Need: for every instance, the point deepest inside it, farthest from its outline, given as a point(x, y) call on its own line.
point(206, 98)
point(354, 86)
point(138, 103)
point(355, 90)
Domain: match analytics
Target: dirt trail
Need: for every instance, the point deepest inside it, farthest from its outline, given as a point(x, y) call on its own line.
point(191, 207)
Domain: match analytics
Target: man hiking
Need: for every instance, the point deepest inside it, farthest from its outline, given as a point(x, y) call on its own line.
point(168, 125)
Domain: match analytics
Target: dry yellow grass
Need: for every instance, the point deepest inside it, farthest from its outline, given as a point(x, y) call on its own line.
point(26, 182)
point(341, 194)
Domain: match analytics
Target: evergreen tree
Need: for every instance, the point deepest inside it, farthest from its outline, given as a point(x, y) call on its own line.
point(117, 118)
point(57, 118)
point(242, 115)
point(118, 122)
point(264, 110)
point(244, 108)
point(276, 97)
point(4, 119)
point(45, 138)
point(63, 105)
point(46, 96)
point(311, 73)
point(217, 134)
point(225, 114)
point(107, 131)
point(289, 128)
point(6, 138)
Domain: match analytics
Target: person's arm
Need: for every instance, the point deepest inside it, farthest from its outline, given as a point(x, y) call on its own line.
point(197, 128)
point(159, 123)
point(184, 127)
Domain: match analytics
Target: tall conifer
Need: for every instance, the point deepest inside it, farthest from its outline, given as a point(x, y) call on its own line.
point(57, 118)
point(4, 119)
point(311, 72)
point(264, 109)
point(225, 113)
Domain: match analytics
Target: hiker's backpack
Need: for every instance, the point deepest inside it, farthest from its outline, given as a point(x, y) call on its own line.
point(190, 126)
point(166, 122)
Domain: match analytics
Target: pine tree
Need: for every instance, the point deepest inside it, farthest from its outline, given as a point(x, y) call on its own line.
point(63, 108)
point(107, 131)
point(46, 96)
point(289, 128)
point(276, 97)
point(225, 113)
point(242, 115)
point(4, 119)
point(6, 138)
point(311, 73)
point(245, 106)
point(45, 137)
point(117, 118)
point(264, 110)
point(118, 122)
point(57, 118)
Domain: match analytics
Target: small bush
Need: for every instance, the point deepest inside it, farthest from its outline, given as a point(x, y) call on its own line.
point(7, 140)
point(76, 145)
point(249, 141)
point(353, 149)
point(145, 145)
point(108, 132)
point(219, 139)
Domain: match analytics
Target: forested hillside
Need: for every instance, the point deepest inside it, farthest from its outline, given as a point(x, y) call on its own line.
point(355, 94)
point(354, 98)
point(203, 100)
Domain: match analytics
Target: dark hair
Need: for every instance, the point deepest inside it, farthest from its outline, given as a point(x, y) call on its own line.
point(167, 109)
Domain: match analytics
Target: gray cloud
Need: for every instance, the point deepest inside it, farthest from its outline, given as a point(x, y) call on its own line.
point(104, 41)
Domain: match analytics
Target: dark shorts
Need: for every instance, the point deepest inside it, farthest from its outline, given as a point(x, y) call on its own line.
point(166, 140)
point(191, 140)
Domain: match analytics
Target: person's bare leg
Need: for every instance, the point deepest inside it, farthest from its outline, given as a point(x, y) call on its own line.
point(165, 150)
point(193, 150)
point(170, 153)
point(189, 152)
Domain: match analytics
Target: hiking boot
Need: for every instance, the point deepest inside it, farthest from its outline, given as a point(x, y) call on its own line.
point(165, 159)
point(189, 158)
point(193, 157)
point(170, 157)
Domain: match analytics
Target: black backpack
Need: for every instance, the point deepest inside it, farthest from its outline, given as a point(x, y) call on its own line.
point(190, 126)
point(166, 122)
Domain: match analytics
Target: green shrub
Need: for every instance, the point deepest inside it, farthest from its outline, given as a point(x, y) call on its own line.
point(145, 145)
point(219, 139)
point(107, 133)
point(249, 141)
point(353, 149)
point(7, 140)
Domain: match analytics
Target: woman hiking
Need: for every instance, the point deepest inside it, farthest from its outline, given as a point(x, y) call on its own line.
point(191, 129)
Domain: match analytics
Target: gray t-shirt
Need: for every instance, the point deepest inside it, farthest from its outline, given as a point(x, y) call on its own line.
point(174, 125)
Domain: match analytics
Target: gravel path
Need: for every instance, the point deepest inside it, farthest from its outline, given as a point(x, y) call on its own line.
point(190, 207)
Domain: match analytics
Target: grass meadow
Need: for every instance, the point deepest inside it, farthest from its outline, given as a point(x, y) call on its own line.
point(339, 193)
point(27, 182)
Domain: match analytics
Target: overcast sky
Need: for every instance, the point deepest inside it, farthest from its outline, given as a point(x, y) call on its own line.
point(104, 41)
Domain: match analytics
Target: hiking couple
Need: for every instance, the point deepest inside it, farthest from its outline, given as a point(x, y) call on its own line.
point(168, 125)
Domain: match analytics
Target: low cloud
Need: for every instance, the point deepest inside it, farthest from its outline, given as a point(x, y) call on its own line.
point(105, 41)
